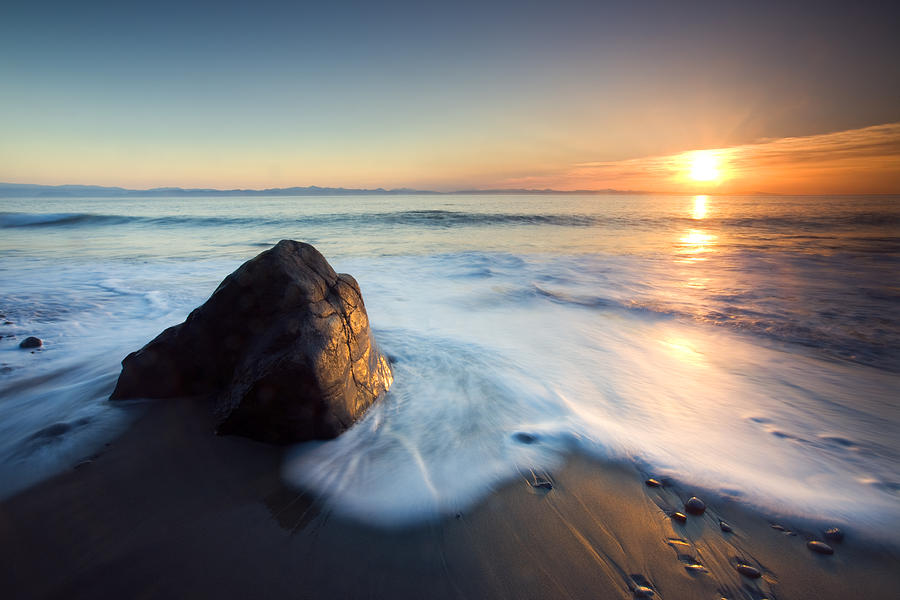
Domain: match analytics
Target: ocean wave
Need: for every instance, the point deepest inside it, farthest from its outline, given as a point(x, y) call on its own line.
point(13, 219)
point(806, 226)
point(422, 218)
point(10, 220)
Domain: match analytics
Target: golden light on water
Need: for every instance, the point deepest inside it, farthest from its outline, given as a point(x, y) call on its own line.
point(699, 211)
point(693, 245)
point(682, 349)
point(705, 166)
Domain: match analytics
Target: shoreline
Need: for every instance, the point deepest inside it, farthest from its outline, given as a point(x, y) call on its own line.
point(172, 510)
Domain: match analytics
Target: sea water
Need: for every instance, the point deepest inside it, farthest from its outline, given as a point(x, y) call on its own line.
point(746, 346)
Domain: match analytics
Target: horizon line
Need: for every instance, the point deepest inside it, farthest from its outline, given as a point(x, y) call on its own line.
point(81, 190)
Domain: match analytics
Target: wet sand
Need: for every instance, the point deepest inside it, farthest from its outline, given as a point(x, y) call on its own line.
point(171, 510)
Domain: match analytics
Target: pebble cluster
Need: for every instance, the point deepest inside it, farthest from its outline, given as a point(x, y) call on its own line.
point(696, 507)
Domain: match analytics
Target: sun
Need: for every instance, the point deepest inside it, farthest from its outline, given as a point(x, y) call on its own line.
point(704, 166)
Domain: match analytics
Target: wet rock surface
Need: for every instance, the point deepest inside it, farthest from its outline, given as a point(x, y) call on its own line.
point(694, 568)
point(834, 534)
point(653, 483)
point(695, 506)
point(748, 571)
point(283, 345)
point(819, 547)
point(31, 342)
point(679, 517)
point(540, 480)
point(641, 586)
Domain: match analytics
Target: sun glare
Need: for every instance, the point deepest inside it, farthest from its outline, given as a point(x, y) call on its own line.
point(704, 166)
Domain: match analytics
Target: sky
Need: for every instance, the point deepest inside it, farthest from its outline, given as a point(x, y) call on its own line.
point(786, 97)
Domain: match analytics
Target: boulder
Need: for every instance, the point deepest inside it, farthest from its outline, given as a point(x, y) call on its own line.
point(283, 345)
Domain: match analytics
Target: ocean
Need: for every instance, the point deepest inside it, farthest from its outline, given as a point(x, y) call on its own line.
point(746, 347)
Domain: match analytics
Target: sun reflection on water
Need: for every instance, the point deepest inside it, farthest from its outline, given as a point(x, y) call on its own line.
point(683, 350)
point(694, 244)
point(700, 207)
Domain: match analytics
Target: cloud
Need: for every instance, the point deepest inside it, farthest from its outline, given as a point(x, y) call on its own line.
point(863, 160)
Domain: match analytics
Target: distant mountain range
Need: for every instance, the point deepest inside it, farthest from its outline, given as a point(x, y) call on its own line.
point(27, 190)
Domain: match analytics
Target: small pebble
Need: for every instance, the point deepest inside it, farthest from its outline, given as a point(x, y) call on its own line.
point(820, 547)
point(643, 592)
point(725, 527)
point(748, 571)
point(680, 517)
point(834, 535)
point(653, 483)
point(695, 506)
point(7, 322)
point(542, 484)
point(695, 568)
point(31, 342)
point(777, 527)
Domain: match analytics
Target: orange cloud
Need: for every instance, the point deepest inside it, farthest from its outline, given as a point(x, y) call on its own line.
point(855, 161)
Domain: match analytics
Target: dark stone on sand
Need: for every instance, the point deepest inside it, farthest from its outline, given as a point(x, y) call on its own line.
point(653, 483)
point(542, 484)
point(820, 547)
point(834, 534)
point(7, 322)
point(694, 568)
point(31, 342)
point(777, 527)
point(283, 345)
point(57, 430)
point(680, 517)
point(748, 571)
point(524, 438)
point(643, 592)
point(725, 527)
point(695, 506)
point(51, 431)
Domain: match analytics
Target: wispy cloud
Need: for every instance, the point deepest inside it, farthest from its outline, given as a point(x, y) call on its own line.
point(863, 160)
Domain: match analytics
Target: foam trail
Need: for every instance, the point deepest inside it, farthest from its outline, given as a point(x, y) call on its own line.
point(710, 407)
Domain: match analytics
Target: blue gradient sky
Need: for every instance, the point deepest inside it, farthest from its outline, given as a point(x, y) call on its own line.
point(406, 94)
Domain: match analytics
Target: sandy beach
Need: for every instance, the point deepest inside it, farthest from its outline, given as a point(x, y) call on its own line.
point(171, 510)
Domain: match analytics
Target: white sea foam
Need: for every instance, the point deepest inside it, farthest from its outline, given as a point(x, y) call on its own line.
point(715, 409)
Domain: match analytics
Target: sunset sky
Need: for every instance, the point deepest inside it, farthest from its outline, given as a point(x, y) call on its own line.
point(783, 97)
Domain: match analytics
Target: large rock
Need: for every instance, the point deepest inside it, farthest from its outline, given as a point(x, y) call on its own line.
point(283, 344)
